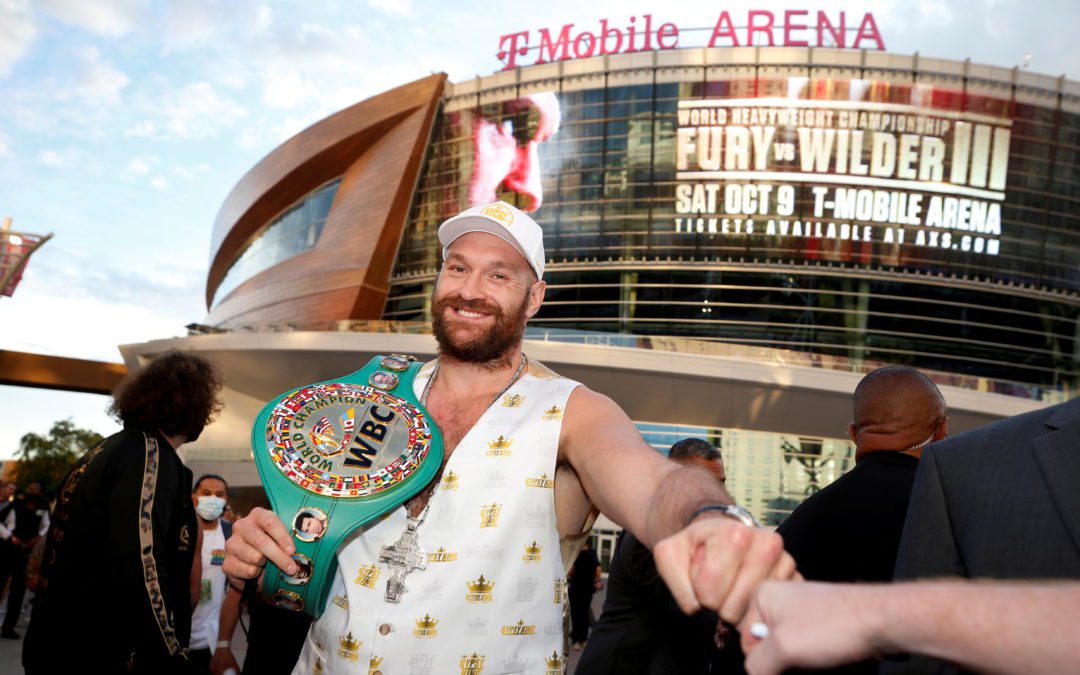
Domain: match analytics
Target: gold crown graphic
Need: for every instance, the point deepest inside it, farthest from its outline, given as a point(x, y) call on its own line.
point(499, 213)
point(376, 661)
point(442, 555)
point(481, 585)
point(472, 665)
point(349, 643)
point(553, 410)
point(554, 661)
point(542, 482)
point(533, 548)
point(427, 623)
point(500, 443)
point(450, 481)
point(367, 575)
point(512, 400)
point(519, 629)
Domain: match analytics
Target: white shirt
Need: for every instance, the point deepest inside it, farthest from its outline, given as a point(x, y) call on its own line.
point(206, 618)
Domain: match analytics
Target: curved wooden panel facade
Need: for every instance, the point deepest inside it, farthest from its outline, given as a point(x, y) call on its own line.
point(376, 147)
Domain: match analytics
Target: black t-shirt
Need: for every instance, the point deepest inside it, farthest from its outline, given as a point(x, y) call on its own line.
point(850, 530)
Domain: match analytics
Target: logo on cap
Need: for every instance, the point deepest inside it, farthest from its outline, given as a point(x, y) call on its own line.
point(499, 213)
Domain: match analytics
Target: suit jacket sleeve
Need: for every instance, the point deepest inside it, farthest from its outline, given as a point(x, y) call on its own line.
point(927, 549)
point(928, 546)
point(141, 505)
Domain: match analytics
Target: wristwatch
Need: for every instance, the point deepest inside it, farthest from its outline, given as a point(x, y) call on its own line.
point(731, 510)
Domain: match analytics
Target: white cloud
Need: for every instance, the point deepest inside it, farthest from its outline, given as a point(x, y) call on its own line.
point(110, 18)
point(196, 111)
point(141, 129)
point(392, 7)
point(184, 172)
point(5, 146)
point(54, 159)
point(159, 182)
point(286, 88)
point(196, 23)
point(19, 31)
point(138, 166)
point(98, 79)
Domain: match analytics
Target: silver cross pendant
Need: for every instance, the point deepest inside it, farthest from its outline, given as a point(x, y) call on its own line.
point(402, 557)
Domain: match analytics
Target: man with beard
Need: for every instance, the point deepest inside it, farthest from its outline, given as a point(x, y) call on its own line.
point(530, 458)
point(115, 582)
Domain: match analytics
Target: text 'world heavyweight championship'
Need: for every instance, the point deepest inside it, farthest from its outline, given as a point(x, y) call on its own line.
point(335, 455)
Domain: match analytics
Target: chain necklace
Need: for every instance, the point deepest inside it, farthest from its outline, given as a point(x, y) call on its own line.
point(428, 492)
point(435, 373)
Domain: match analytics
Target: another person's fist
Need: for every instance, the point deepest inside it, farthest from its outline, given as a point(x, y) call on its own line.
point(717, 562)
point(258, 537)
point(810, 625)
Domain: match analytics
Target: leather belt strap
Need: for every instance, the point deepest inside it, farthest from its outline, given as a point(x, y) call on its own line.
point(335, 455)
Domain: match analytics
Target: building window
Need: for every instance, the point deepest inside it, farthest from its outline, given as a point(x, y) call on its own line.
point(295, 230)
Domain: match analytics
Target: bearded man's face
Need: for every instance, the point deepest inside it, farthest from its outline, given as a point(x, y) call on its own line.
point(483, 298)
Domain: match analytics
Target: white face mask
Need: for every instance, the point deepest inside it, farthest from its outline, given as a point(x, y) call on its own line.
point(210, 507)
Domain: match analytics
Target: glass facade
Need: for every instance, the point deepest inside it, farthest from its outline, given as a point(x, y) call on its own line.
point(294, 231)
point(947, 240)
point(770, 474)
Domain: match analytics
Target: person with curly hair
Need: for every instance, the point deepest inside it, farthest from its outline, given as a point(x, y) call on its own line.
point(115, 583)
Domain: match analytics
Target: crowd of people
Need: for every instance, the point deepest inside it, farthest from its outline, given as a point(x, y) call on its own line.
point(142, 573)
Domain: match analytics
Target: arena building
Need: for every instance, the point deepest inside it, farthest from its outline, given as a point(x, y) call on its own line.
point(734, 236)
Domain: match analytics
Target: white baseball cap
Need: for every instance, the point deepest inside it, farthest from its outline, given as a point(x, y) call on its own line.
point(503, 221)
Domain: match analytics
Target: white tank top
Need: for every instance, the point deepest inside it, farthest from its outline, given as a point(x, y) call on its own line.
point(206, 618)
point(492, 597)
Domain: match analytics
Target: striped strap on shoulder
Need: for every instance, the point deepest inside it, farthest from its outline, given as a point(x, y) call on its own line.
point(146, 543)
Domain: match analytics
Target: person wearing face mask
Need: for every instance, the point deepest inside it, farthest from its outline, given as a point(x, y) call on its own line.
point(218, 610)
point(114, 589)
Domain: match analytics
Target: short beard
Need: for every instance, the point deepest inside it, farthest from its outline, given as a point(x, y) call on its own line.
point(491, 350)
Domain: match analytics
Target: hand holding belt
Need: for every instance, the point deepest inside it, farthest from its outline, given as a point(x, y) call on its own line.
point(335, 455)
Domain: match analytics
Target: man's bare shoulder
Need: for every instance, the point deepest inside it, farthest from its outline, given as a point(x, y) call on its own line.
point(585, 402)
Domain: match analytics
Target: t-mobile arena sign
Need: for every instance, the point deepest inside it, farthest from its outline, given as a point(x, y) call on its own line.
point(764, 28)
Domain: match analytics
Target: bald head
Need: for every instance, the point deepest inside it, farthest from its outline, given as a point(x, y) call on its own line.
point(897, 408)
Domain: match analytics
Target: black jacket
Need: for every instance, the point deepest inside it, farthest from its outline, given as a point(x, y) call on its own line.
point(643, 631)
point(850, 530)
point(115, 594)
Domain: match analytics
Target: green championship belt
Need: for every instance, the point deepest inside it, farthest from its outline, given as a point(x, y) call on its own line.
point(335, 455)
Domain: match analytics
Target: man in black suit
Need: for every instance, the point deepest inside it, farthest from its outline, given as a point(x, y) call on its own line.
point(999, 501)
point(850, 530)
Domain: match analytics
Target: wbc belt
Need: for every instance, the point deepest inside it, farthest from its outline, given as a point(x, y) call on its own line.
point(335, 455)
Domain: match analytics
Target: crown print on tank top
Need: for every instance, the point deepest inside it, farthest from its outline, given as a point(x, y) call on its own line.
point(491, 598)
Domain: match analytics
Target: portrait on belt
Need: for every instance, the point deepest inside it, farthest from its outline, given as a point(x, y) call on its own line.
point(309, 525)
point(303, 571)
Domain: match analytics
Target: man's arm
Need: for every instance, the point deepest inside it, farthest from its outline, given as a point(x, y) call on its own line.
point(927, 546)
point(628, 481)
point(715, 561)
point(988, 627)
point(223, 658)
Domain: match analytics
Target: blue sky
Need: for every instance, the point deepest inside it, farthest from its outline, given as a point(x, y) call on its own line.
point(124, 124)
